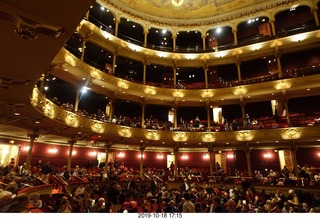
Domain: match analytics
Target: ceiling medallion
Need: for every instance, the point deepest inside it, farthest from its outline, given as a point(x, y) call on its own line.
point(177, 2)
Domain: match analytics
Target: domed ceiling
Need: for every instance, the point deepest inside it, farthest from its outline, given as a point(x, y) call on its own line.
point(184, 10)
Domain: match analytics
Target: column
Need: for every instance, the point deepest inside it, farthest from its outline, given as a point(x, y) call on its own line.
point(174, 75)
point(285, 103)
point(145, 32)
point(175, 117)
point(273, 29)
point(32, 138)
point(278, 55)
point(293, 152)
point(315, 14)
point(205, 67)
point(145, 62)
point(143, 107)
point(111, 110)
point(243, 112)
point(116, 26)
point(174, 38)
point(235, 38)
point(76, 104)
point(238, 63)
point(208, 116)
point(71, 142)
point(142, 148)
point(114, 61)
point(83, 47)
point(210, 150)
point(107, 146)
point(203, 36)
point(176, 151)
point(248, 157)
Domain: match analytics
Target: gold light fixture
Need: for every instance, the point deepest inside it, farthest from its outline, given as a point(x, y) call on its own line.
point(177, 3)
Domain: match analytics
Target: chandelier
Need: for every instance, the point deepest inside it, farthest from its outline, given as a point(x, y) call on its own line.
point(177, 2)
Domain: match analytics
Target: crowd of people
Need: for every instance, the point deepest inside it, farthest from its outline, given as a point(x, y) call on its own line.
point(126, 192)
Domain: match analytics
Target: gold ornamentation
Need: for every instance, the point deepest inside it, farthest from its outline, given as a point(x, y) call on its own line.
point(123, 84)
point(240, 90)
point(72, 119)
point(244, 135)
point(282, 84)
point(48, 109)
point(97, 127)
point(291, 133)
point(180, 136)
point(208, 137)
point(125, 131)
point(152, 135)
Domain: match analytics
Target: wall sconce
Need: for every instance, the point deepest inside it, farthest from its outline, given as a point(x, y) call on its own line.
point(184, 157)
point(26, 148)
point(53, 150)
point(160, 156)
point(121, 154)
point(206, 157)
point(93, 153)
point(267, 155)
point(139, 156)
point(230, 156)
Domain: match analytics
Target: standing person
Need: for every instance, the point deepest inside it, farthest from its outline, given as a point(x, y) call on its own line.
point(248, 121)
point(188, 206)
point(172, 168)
point(45, 171)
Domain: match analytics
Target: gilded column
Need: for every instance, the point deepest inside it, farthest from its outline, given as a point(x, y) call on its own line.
point(285, 103)
point(174, 75)
point(83, 47)
point(145, 32)
point(208, 116)
point(203, 36)
point(205, 67)
point(114, 61)
point(174, 38)
point(32, 138)
point(143, 107)
point(238, 63)
point(76, 104)
point(243, 112)
point(235, 38)
point(278, 55)
point(116, 28)
point(273, 29)
point(293, 152)
point(210, 151)
point(176, 151)
point(111, 110)
point(142, 148)
point(248, 157)
point(71, 142)
point(145, 62)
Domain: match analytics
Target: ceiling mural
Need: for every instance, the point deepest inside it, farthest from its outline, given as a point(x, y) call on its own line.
point(182, 9)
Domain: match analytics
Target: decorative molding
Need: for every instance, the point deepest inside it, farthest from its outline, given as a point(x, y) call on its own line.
point(244, 135)
point(291, 133)
point(152, 135)
point(208, 137)
point(97, 127)
point(180, 136)
point(72, 119)
point(125, 131)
